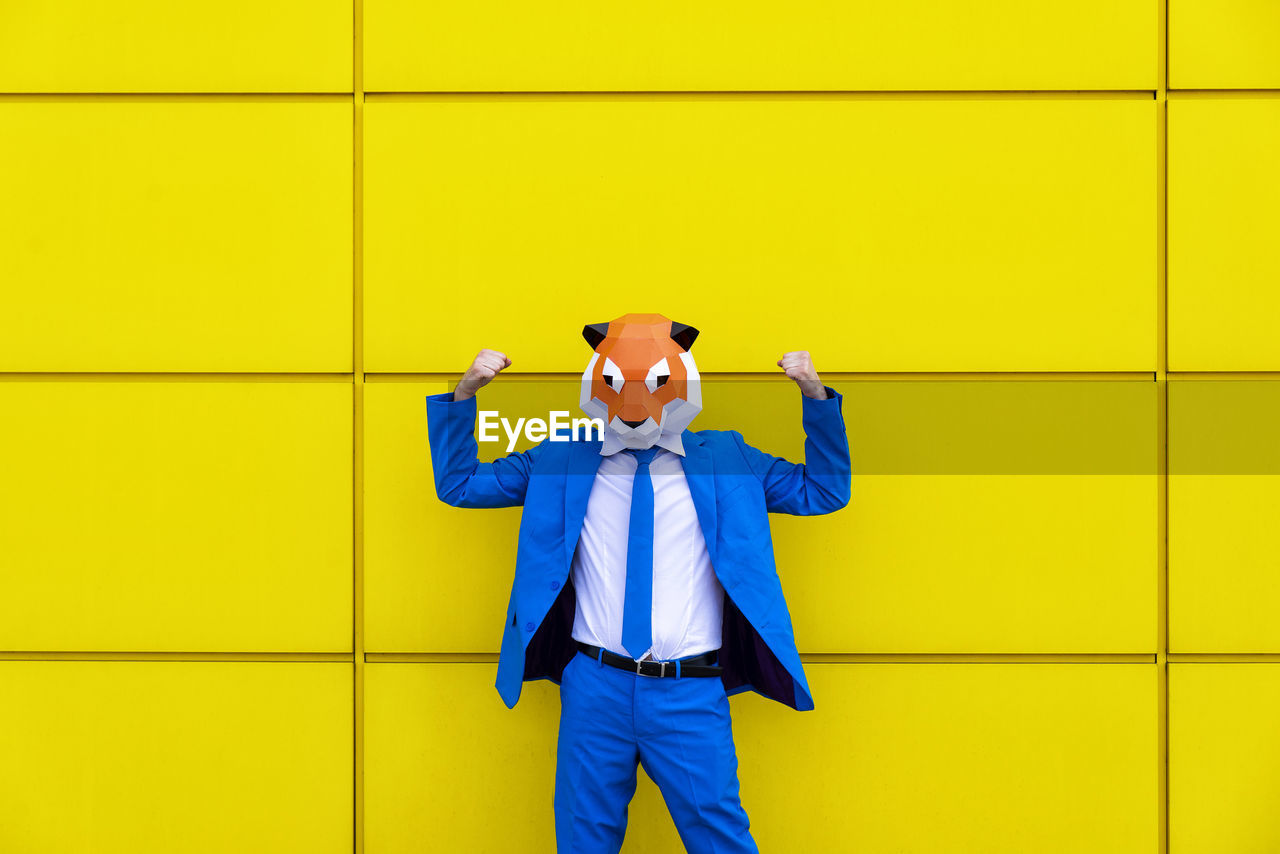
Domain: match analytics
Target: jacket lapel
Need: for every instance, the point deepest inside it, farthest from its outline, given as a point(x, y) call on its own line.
point(584, 459)
point(699, 471)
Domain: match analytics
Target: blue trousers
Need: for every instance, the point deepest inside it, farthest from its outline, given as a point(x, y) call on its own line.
point(678, 729)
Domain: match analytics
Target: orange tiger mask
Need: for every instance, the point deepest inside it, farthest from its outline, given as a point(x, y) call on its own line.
point(641, 381)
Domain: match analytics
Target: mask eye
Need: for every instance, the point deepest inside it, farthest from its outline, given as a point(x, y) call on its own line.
point(612, 375)
point(658, 376)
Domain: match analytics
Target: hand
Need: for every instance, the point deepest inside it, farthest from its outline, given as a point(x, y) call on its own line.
point(487, 365)
point(799, 367)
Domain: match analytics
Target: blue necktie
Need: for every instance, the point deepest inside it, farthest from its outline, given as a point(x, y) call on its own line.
point(637, 607)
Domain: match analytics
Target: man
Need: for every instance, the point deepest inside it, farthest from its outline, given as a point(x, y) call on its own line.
point(645, 584)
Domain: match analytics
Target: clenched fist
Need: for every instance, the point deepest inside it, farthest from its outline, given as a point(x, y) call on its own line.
point(799, 367)
point(487, 365)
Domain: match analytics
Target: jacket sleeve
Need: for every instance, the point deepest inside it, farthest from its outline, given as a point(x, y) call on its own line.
point(461, 479)
point(822, 483)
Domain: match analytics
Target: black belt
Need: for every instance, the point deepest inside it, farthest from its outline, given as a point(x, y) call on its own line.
point(698, 665)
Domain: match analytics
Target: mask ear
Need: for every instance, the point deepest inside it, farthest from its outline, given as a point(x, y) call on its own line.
point(683, 334)
point(594, 333)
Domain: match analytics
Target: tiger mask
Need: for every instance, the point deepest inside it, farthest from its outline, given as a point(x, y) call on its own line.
point(641, 381)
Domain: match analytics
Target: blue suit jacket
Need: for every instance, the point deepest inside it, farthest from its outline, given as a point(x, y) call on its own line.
point(734, 487)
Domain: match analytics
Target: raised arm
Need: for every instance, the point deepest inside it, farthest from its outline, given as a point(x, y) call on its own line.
point(461, 479)
point(821, 484)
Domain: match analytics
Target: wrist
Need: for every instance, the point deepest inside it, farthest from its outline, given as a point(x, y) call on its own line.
point(814, 389)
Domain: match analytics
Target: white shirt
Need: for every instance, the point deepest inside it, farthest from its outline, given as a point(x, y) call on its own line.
point(688, 601)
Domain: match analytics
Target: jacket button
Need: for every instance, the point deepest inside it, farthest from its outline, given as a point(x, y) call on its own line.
point(529, 626)
point(555, 585)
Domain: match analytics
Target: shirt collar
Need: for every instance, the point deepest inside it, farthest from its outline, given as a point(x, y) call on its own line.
point(669, 439)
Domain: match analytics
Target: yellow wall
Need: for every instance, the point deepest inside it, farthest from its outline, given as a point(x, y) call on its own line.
point(1033, 243)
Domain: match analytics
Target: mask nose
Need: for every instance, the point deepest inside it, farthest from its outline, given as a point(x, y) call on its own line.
point(632, 424)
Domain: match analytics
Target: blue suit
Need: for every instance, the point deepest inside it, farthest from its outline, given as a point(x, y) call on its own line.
point(734, 487)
